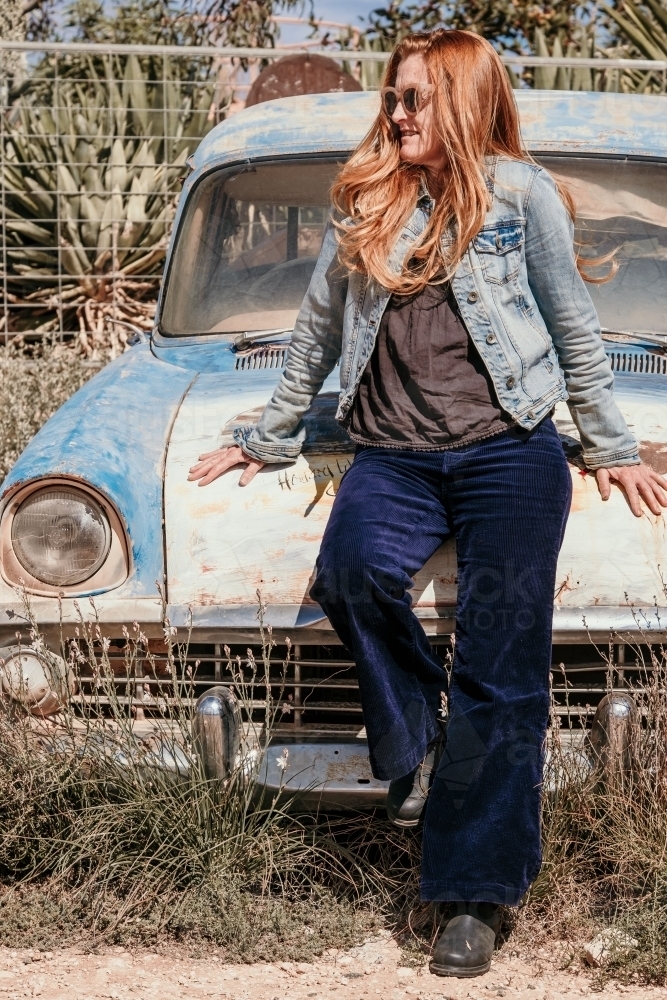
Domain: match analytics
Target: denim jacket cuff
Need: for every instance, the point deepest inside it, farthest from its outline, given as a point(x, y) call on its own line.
point(276, 453)
point(625, 457)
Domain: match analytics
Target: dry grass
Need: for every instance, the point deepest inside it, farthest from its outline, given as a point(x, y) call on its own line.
point(32, 387)
point(94, 829)
point(95, 837)
point(605, 842)
point(90, 841)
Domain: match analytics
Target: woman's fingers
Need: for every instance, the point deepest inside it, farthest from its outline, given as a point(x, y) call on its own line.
point(199, 468)
point(250, 471)
point(661, 483)
point(215, 463)
point(632, 494)
point(211, 454)
point(638, 482)
point(217, 455)
point(211, 471)
point(602, 477)
point(652, 495)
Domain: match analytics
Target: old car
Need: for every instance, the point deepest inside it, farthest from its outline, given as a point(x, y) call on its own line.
point(99, 504)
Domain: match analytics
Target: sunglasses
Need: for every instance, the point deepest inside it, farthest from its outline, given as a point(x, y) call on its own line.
point(412, 99)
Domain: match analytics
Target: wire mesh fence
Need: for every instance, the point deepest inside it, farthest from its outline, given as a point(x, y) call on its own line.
point(93, 147)
point(92, 150)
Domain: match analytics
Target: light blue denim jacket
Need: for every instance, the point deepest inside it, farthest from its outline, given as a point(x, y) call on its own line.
point(523, 302)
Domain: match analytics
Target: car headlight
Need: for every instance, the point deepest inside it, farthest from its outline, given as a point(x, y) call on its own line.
point(60, 535)
point(39, 680)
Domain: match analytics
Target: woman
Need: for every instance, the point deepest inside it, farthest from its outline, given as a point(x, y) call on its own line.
point(447, 285)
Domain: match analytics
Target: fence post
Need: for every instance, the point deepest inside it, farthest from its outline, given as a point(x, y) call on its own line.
point(4, 89)
point(59, 236)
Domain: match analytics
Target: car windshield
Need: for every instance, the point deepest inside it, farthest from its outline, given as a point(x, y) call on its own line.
point(622, 211)
point(247, 248)
point(250, 237)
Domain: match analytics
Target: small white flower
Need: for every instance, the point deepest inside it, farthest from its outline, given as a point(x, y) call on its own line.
point(282, 760)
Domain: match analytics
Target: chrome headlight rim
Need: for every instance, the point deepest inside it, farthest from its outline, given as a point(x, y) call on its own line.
point(38, 680)
point(114, 568)
point(99, 546)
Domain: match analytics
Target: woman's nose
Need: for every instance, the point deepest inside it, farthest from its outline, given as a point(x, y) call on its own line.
point(399, 114)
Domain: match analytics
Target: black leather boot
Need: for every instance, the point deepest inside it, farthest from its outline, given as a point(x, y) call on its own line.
point(407, 796)
point(465, 947)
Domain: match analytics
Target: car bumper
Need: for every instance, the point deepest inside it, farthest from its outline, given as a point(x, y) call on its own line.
point(302, 623)
point(320, 775)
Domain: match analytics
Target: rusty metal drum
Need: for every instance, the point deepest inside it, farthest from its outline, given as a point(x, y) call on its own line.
point(303, 74)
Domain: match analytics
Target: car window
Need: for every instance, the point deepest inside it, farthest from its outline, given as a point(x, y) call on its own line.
point(247, 248)
point(622, 210)
point(249, 239)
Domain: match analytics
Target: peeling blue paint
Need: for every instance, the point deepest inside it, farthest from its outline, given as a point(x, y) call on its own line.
point(196, 354)
point(592, 122)
point(113, 434)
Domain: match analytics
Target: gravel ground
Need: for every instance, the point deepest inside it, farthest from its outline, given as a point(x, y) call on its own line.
point(368, 971)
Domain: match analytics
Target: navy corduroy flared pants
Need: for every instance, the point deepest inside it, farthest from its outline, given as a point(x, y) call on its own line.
point(506, 500)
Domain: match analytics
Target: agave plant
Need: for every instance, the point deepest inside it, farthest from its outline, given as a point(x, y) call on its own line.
point(564, 77)
point(91, 171)
point(646, 28)
point(645, 34)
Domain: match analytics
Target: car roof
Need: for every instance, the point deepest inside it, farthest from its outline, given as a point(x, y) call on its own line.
point(551, 121)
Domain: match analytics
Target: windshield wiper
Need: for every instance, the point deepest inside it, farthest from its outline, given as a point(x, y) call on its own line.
point(649, 338)
point(263, 336)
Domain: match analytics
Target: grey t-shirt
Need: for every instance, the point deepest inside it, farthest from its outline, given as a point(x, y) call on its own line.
point(425, 386)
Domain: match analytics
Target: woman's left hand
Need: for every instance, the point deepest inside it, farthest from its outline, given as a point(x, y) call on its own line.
point(637, 482)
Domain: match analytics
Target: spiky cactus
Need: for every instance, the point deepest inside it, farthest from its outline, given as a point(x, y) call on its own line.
point(91, 172)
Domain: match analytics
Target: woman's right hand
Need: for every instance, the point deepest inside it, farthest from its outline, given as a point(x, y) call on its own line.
point(215, 463)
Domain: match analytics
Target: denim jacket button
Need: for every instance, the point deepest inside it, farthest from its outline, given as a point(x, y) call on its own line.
point(498, 241)
point(510, 382)
point(490, 338)
point(531, 415)
point(472, 297)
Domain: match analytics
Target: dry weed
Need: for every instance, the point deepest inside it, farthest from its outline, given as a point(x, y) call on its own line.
point(129, 834)
point(31, 390)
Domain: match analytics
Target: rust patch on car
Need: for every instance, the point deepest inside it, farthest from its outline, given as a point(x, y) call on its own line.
point(355, 766)
point(654, 453)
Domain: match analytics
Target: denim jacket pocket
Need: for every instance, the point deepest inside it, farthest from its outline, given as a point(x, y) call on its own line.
point(499, 249)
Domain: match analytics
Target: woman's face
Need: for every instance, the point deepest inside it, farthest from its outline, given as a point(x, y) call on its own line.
point(419, 141)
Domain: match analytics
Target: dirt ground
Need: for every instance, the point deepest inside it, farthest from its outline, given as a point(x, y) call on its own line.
point(371, 970)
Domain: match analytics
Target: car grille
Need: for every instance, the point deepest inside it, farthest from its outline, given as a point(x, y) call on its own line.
point(320, 692)
point(637, 360)
point(261, 357)
point(626, 359)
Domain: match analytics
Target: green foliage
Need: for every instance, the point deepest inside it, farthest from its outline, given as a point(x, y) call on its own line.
point(169, 22)
point(644, 25)
point(561, 28)
point(509, 23)
point(585, 78)
point(571, 77)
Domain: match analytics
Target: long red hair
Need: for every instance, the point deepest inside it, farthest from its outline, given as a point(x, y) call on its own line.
point(476, 116)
